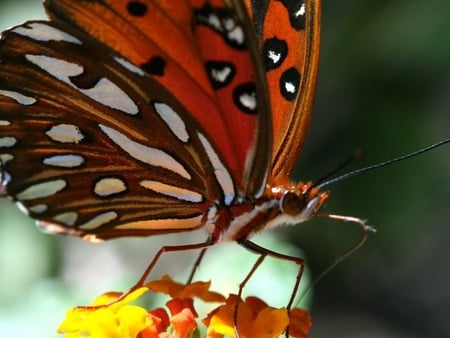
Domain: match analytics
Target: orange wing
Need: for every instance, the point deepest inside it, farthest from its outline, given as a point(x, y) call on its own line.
point(289, 39)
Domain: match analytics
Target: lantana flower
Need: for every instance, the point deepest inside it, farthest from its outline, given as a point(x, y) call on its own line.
point(112, 316)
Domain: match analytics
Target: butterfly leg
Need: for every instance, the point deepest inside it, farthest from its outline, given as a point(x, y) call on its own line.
point(365, 229)
point(196, 265)
point(172, 248)
point(165, 249)
point(263, 253)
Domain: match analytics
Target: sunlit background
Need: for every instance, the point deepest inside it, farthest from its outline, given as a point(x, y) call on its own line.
point(384, 87)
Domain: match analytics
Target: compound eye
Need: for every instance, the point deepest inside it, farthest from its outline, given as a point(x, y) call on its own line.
point(292, 203)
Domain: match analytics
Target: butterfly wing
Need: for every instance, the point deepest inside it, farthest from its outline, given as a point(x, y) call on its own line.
point(288, 32)
point(166, 45)
point(90, 143)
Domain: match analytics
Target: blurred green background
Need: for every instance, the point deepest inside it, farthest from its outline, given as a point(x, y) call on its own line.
point(384, 87)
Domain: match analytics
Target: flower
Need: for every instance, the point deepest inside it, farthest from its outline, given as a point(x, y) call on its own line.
point(108, 316)
point(177, 290)
point(112, 316)
point(254, 319)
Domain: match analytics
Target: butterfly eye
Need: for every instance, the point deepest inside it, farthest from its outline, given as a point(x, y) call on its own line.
point(293, 203)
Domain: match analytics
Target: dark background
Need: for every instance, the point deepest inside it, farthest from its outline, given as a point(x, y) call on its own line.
point(384, 87)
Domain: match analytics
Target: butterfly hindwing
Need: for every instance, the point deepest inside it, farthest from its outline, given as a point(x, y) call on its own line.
point(288, 32)
point(97, 140)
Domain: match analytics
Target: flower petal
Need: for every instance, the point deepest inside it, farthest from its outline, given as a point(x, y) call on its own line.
point(300, 323)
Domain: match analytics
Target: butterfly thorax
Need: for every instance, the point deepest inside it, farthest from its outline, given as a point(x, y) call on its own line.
point(279, 205)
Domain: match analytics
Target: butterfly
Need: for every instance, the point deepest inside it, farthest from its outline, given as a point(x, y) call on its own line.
point(136, 118)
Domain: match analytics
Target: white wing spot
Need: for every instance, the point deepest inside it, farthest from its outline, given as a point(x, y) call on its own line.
point(290, 87)
point(221, 75)
point(275, 57)
point(99, 220)
point(237, 34)
point(7, 142)
point(66, 218)
point(65, 133)
point(3, 122)
point(249, 101)
point(222, 174)
point(109, 186)
point(214, 21)
point(41, 190)
point(172, 191)
point(173, 121)
point(145, 154)
point(65, 161)
point(104, 92)
point(19, 98)
point(42, 32)
point(301, 11)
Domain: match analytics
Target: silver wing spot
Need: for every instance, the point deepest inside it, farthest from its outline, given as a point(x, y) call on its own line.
point(38, 208)
point(65, 133)
point(145, 154)
point(109, 186)
point(7, 141)
point(19, 98)
point(128, 65)
point(42, 190)
point(172, 120)
point(65, 161)
point(42, 32)
point(221, 172)
point(67, 218)
point(99, 220)
point(104, 92)
point(172, 191)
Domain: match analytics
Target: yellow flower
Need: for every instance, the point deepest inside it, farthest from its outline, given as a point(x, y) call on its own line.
point(107, 317)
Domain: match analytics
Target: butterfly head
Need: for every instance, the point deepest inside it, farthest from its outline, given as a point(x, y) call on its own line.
point(297, 204)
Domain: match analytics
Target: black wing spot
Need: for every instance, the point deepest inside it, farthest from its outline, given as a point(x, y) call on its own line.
point(155, 66)
point(274, 52)
point(225, 22)
point(296, 11)
point(137, 8)
point(244, 97)
point(290, 83)
point(220, 73)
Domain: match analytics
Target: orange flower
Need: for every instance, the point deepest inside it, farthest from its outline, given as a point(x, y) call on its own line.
point(254, 319)
point(300, 323)
point(177, 290)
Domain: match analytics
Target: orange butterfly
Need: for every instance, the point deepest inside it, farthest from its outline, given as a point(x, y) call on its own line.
point(134, 118)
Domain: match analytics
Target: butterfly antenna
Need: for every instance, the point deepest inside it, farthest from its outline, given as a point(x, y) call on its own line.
point(382, 164)
point(356, 155)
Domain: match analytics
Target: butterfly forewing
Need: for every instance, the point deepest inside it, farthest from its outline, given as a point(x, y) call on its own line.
point(193, 49)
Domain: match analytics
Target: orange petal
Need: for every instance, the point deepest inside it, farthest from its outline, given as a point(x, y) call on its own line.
point(300, 323)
